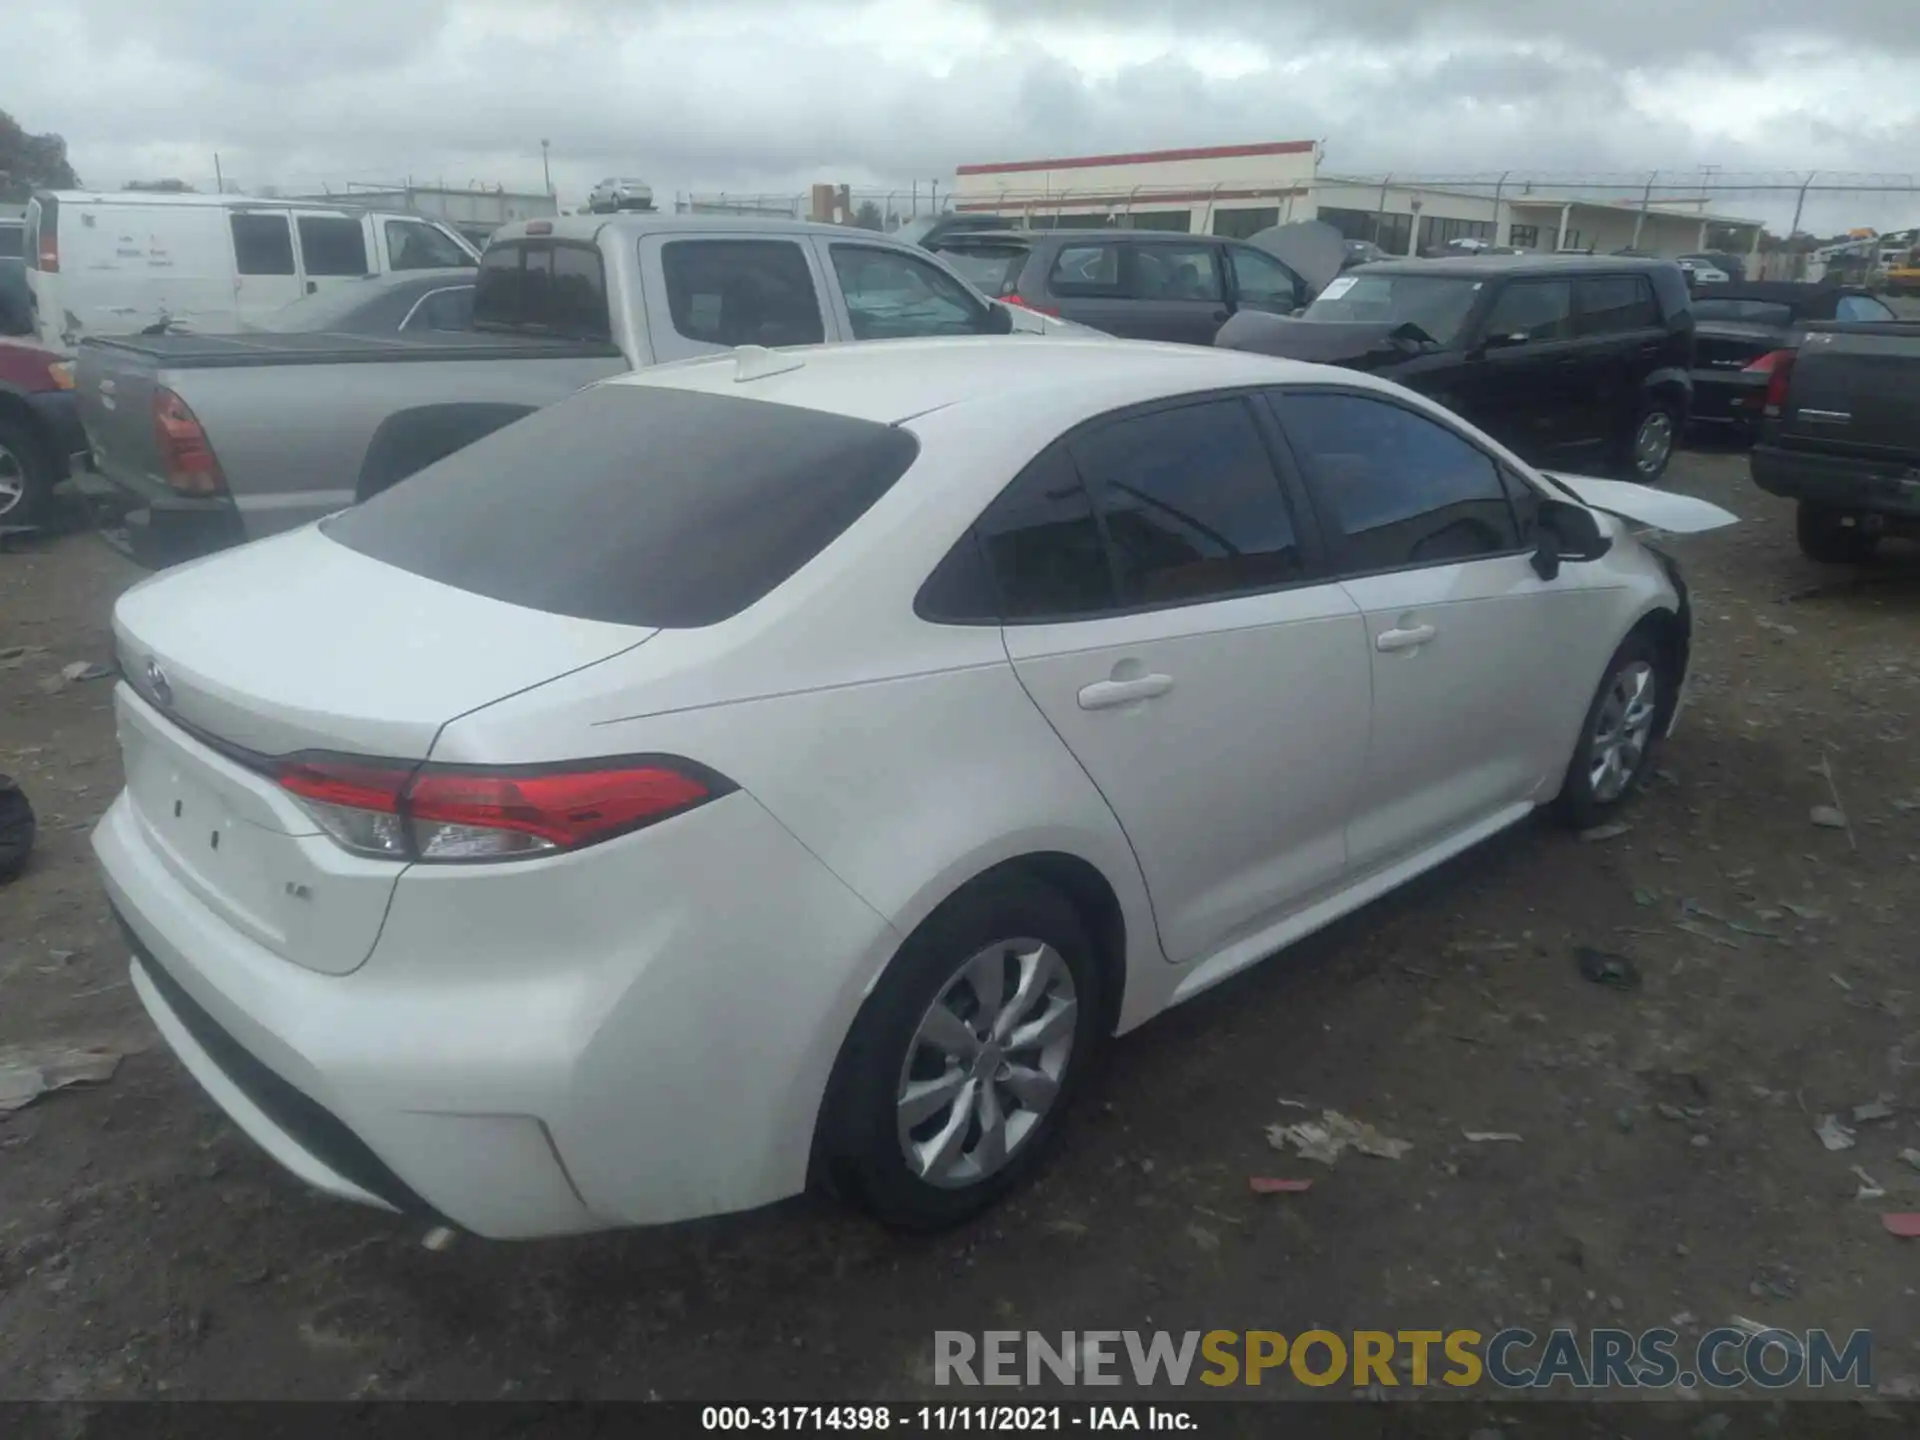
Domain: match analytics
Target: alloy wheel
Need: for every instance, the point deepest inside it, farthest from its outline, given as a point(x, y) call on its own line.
point(1653, 442)
point(13, 481)
point(986, 1063)
point(1622, 730)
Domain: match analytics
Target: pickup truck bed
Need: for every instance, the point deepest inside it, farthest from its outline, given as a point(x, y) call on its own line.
point(214, 352)
point(1845, 441)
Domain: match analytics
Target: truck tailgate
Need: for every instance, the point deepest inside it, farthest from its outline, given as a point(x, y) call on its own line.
point(114, 387)
point(1856, 390)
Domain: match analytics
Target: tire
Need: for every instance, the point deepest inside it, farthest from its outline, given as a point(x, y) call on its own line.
point(1003, 928)
point(1649, 445)
point(26, 474)
point(1825, 535)
point(1633, 690)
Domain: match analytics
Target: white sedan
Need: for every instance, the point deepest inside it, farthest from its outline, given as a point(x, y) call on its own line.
point(844, 745)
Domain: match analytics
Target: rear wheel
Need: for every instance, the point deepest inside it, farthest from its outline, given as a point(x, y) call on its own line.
point(26, 474)
point(1649, 445)
point(1619, 735)
point(1833, 537)
point(963, 1061)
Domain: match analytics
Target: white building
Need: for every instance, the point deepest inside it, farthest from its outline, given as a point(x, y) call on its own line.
point(1236, 190)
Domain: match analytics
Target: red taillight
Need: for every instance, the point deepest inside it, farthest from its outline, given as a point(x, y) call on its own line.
point(1017, 299)
point(1764, 365)
point(48, 262)
point(186, 456)
point(459, 813)
point(1779, 375)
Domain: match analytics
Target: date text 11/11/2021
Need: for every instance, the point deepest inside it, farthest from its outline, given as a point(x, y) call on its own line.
point(939, 1419)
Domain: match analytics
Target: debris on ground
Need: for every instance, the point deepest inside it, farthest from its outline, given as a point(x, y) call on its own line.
point(1695, 928)
point(1878, 1109)
point(1870, 1188)
point(85, 670)
point(1325, 1138)
point(1605, 832)
point(1827, 818)
point(1645, 898)
point(1906, 1226)
point(1271, 1185)
point(1603, 967)
point(1491, 1137)
point(1912, 1157)
point(1901, 1387)
point(1802, 912)
point(28, 1072)
point(1203, 1237)
point(438, 1238)
point(1833, 1134)
point(1753, 1329)
point(17, 827)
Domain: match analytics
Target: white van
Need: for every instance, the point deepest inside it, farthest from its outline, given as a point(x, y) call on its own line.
point(119, 263)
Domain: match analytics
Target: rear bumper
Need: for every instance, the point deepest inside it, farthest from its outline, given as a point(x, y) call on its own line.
point(1843, 482)
point(1722, 397)
point(613, 1038)
point(156, 526)
point(59, 416)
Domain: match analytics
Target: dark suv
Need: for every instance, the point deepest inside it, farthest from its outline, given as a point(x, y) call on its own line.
point(1565, 359)
point(1138, 284)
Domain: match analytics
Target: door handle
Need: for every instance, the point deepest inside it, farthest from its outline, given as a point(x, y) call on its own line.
point(313, 287)
point(1105, 694)
point(1403, 639)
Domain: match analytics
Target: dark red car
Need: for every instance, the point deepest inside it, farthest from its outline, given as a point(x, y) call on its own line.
point(40, 429)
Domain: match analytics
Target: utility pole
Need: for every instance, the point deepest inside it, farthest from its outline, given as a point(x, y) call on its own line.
point(1646, 199)
point(219, 185)
point(546, 171)
point(1498, 186)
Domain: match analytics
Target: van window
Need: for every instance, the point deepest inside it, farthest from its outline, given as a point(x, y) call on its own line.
point(414, 245)
point(332, 245)
point(262, 244)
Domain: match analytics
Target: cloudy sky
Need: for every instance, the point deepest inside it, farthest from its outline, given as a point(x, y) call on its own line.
point(747, 95)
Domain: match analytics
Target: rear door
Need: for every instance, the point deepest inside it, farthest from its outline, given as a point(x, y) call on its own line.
point(266, 268)
point(1479, 667)
point(1619, 341)
point(1164, 610)
point(1086, 281)
point(1177, 290)
point(707, 293)
point(333, 250)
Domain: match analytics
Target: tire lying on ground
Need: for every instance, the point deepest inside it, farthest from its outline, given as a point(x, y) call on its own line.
point(16, 829)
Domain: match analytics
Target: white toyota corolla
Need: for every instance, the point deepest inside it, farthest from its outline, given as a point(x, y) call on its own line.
point(793, 765)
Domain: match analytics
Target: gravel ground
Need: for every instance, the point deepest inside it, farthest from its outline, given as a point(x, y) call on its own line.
point(1668, 1164)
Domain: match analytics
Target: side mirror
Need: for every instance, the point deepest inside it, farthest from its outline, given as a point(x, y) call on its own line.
point(999, 319)
point(1566, 533)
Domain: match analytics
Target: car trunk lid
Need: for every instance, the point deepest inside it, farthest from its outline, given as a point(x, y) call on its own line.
point(296, 645)
point(1725, 345)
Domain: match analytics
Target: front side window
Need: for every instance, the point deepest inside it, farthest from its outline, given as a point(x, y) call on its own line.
point(1532, 310)
point(1175, 272)
point(1086, 270)
point(412, 245)
point(1402, 489)
point(741, 292)
point(1192, 505)
point(262, 245)
point(1615, 305)
point(1261, 282)
point(891, 296)
point(332, 245)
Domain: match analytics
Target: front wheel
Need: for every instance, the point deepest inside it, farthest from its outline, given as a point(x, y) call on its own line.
point(965, 1058)
point(1618, 737)
point(26, 475)
point(1833, 537)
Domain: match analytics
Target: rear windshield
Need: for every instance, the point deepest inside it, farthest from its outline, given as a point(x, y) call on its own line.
point(991, 269)
point(1770, 313)
point(544, 287)
point(634, 504)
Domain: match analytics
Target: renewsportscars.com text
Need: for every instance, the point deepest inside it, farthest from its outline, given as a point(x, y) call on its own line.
point(1512, 1359)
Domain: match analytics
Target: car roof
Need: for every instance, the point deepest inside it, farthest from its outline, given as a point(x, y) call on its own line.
point(890, 381)
point(1481, 266)
point(654, 222)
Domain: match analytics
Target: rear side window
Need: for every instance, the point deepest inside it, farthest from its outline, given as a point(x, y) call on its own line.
point(655, 507)
point(332, 245)
point(1175, 272)
point(1043, 545)
point(1614, 305)
point(1860, 307)
point(991, 269)
point(262, 245)
point(741, 292)
point(450, 309)
point(1403, 490)
point(1193, 508)
point(1086, 270)
point(543, 286)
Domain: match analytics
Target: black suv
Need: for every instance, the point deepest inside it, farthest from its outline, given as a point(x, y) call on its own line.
point(1562, 358)
point(1138, 284)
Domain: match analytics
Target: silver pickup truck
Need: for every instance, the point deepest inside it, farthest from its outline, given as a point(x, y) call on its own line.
point(202, 441)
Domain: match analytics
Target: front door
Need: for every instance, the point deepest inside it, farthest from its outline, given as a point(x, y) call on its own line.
point(1527, 382)
point(1167, 619)
point(266, 274)
point(1474, 658)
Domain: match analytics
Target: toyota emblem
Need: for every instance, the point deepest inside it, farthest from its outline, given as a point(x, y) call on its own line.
point(157, 682)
